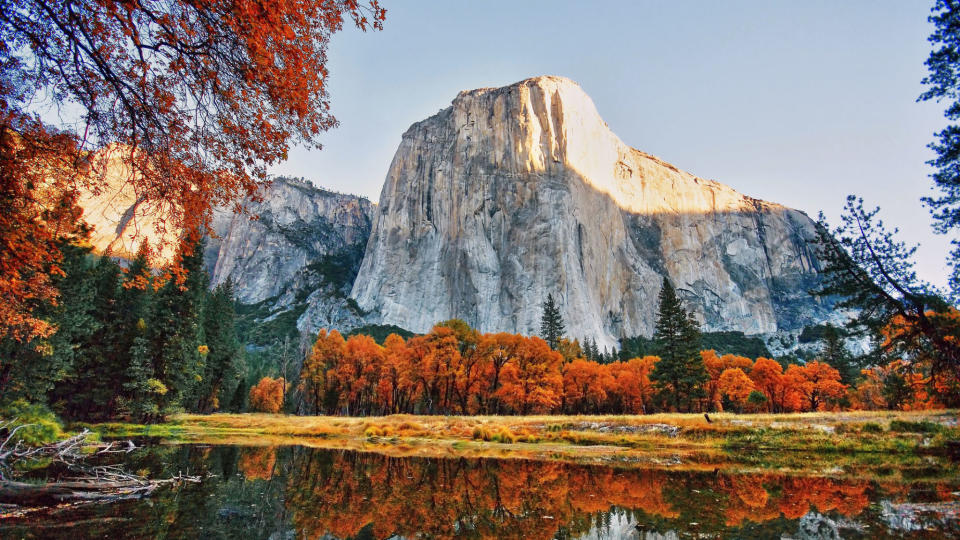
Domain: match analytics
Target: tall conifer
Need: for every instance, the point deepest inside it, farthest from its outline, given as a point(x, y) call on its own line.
point(551, 323)
point(680, 373)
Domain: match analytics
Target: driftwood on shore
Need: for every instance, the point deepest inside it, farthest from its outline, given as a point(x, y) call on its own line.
point(88, 483)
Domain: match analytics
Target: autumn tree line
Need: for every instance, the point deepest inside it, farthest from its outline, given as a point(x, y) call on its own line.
point(454, 369)
point(138, 343)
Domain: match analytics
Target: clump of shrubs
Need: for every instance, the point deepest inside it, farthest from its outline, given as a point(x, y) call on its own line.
point(410, 429)
point(872, 427)
point(404, 429)
point(502, 434)
point(377, 431)
point(39, 425)
point(925, 426)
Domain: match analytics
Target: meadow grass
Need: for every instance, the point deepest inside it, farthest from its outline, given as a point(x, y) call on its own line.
point(824, 432)
point(882, 445)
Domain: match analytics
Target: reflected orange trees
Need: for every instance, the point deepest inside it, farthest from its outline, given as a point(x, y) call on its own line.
point(344, 493)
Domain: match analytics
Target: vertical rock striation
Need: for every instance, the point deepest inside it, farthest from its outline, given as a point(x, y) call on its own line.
point(516, 192)
point(297, 225)
point(299, 256)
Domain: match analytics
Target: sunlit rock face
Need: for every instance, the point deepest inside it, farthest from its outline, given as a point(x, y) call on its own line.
point(518, 192)
point(122, 220)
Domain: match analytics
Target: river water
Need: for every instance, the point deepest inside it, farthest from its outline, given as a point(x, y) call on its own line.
point(287, 492)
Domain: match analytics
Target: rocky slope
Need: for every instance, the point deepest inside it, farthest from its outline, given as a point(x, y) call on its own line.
point(121, 219)
point(297, 260)
point(516, 192)
point(302, 253)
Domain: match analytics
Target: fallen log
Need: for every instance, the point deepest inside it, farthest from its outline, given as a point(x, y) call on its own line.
point(92, 483)
point(25, 494)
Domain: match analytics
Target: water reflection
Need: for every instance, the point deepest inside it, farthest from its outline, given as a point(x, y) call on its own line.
point(296, 492)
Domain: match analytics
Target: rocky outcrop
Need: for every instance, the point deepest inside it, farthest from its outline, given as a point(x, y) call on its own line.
point(300, 254)
point(296, 225)
point(514, 193)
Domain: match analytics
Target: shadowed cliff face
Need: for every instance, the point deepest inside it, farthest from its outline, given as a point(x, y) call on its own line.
point(297, 225)
point(517, 192)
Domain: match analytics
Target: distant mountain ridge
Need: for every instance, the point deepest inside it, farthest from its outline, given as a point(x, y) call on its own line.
point(506, 196)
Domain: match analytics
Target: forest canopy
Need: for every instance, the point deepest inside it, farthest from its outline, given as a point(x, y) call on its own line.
point(198, 97)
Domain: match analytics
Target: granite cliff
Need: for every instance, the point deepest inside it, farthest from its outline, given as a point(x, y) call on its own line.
point(514, 193)
point(297, 259)
point(301, 254)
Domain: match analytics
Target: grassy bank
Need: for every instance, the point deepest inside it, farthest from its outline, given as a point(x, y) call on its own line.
point(862, 436)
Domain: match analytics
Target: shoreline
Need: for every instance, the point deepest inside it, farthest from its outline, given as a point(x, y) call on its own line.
point(855, 442)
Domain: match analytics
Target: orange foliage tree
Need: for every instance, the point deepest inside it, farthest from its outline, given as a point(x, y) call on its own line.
point(925, 361)
point(316, 383)
point(267, 395)
point(736, 386)
point(716, 365)
point(630, 390)
point(900, 385)
point(358, 372)
point(40, 171)
point(456, 370)
point(532, 382)
point(585, 385)
point(813, 385)
point(199, 97)
point(767, 376)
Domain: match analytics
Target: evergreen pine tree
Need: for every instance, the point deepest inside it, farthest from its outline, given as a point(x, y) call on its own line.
point(836, 355)
point(90, 389)
point(221, 373)
point(31, 370)
point(143, 392)
point(680, 373)
point(551, 323)
point(590, 349)
point(175, 333)
point(943, 84)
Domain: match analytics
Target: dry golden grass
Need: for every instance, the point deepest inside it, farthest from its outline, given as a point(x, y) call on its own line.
point(663, 431)
point(855, 440)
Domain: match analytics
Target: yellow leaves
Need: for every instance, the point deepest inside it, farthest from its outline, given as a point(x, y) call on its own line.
point(156, 387)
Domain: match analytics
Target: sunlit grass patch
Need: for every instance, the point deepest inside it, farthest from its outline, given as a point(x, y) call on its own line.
point(762, 439)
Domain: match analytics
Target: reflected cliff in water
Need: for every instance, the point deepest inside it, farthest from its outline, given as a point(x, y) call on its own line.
point(296, 492)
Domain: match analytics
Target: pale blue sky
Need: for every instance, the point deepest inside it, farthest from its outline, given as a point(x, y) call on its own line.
point(798, 103)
